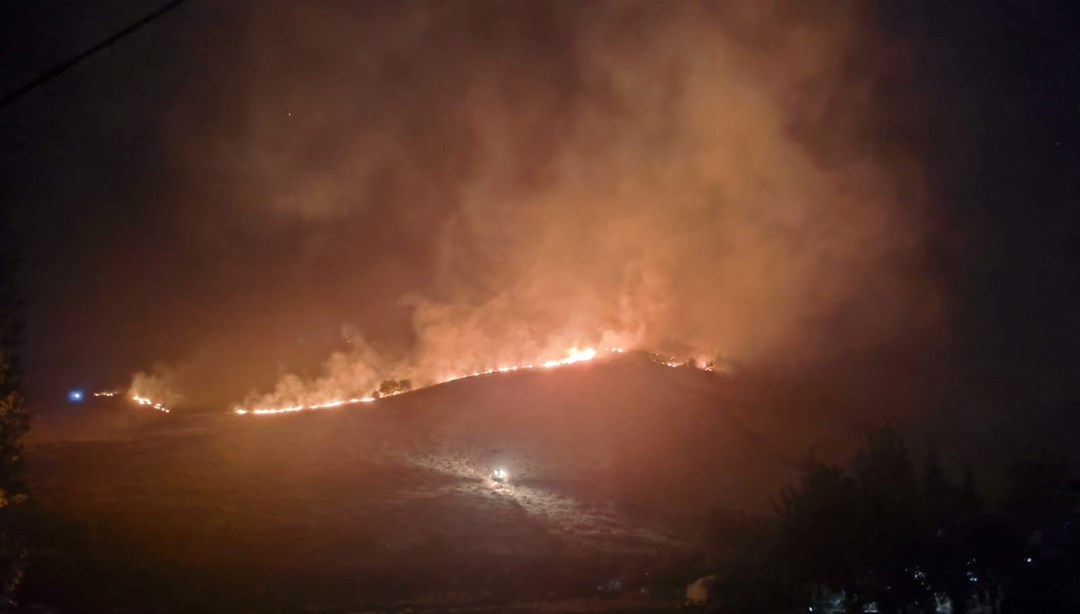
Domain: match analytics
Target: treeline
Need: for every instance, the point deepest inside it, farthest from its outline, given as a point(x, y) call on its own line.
point(888, 534)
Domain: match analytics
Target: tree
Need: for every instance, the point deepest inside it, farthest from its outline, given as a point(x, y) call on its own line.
point(890, 522)
point(750, 572)
point(881, 533)
point(970, 500)
point(886, 476)
point(391, 387)
point(815, 522)
point(1035, 484)
point(939, 492)
point(945, 548)
point(1041, 499)
point(14, 423)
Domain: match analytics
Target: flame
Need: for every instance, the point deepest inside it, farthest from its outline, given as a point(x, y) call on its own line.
point(573, 356)
point(145, 401)
point(263, 411)
point(139, 400)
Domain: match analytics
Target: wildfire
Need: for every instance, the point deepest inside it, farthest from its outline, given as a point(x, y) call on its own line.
point(575, 355)
point(140, 400)
point(150, 402)
point(294, 408)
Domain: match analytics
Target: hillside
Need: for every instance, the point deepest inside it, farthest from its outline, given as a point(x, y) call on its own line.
point(619, 458)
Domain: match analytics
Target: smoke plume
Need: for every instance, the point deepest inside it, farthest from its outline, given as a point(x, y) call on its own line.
point(159, 385)
point(523, 178)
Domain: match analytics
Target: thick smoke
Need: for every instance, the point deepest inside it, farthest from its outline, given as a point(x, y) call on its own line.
point(529, 177)
point(159, 385)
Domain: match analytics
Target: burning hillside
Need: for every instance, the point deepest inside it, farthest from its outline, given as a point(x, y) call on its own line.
point(615, 457)
point(697, 174)
point(134, 398)
point(392, 387)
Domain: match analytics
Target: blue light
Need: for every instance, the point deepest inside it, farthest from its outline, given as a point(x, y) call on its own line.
point(75, 396)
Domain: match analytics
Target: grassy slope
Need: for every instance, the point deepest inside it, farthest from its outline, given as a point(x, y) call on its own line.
point(612, 465)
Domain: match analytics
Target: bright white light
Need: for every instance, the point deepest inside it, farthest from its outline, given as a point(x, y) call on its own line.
point(75, 396)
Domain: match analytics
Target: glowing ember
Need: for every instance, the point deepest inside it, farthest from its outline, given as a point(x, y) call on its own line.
point(575, 355)
point(263, 411)
point(140, 400)
point(149, 402)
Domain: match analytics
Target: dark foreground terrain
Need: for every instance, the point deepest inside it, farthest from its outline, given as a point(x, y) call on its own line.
point(389, 505)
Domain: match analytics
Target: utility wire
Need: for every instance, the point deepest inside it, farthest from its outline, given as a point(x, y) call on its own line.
point(64, 66)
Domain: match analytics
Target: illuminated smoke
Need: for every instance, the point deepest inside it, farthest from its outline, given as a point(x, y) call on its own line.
point(528, 178)
point(155, 389)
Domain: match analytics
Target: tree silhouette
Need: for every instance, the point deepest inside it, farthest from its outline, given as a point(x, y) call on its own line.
point(815, 521)
point(940, 494)
point(970, 500)
point(1043, 501)
point(749, 576)
point(391, 387)
point(889, 522)
point(14, 422)
point(950, 523)
point(1034, 489)
point(882, 533)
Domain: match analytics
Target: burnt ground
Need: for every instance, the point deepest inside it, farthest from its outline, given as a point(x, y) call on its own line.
point(389, 505)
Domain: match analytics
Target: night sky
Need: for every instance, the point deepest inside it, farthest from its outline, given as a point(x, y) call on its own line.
point(238, 191)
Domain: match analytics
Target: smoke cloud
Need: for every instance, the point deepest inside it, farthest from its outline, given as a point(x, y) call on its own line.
point(160, 385)
point(520, 179)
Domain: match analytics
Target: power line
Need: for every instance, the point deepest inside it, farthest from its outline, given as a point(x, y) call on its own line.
point(64, 66)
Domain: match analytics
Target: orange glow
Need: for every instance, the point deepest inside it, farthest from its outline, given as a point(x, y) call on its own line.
point(574, 355)
point(264, 411)
point(149, 402)
point(140, 400)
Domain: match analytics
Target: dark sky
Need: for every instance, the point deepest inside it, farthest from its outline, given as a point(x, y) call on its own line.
point(880, 196)
point(1007, 168)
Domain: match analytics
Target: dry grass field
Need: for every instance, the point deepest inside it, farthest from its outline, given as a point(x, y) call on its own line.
point(611, 465)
